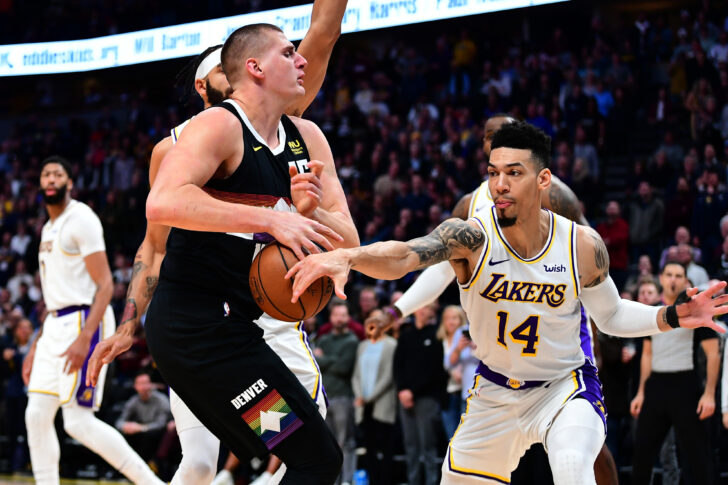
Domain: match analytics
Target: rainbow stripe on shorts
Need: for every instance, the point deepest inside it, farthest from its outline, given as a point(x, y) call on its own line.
point(272, 419)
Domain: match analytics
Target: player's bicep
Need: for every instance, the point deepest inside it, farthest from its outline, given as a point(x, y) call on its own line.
point(202, 147)
point(333, 198)
point(592, 257)
point(462, 208)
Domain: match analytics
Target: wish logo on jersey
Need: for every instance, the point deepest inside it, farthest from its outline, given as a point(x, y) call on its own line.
point(272, 419)
point(523, 291)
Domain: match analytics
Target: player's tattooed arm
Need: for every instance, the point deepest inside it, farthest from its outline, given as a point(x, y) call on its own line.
point(451, 238)
point(454, 239)
point(559, 198)
point(592, 257)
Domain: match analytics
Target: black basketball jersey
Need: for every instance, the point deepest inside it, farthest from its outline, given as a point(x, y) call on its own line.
point(219, 263)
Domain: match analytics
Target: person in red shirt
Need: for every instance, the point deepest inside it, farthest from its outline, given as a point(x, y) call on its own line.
point(615, 232)
point(339, 312)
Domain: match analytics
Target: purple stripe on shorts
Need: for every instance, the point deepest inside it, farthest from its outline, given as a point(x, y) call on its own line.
point(586, 341)
point(85, 394)
point(592, 389)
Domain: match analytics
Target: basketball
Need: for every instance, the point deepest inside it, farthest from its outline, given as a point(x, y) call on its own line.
point(272, 292)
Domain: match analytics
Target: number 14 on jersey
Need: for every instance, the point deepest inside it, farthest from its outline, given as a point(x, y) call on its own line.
point(526, 332)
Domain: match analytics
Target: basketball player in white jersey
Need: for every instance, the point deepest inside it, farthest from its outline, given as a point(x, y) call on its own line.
point(77, 288)
point(433, 281)
point(288, 340)
point(523, 272)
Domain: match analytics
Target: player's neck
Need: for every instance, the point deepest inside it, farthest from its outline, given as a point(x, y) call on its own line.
point(264, 114)
point(520, 235)
point(55, 210)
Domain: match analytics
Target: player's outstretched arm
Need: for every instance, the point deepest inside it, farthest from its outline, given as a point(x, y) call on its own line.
point(452, 240)
point(144, 278)
point(316, 47)
point(625, 318)
point(559, 198)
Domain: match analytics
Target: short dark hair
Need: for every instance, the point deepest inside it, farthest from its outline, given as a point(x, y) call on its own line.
point(185, 79)
point(243, 44)
point(524, 136)
point(673, 262)
point(60, 161)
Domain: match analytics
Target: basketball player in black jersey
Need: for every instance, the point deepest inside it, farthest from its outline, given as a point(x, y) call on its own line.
point(200, 324)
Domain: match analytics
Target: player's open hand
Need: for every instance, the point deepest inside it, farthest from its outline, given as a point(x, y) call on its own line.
point(334, 265)
point(76, 353)
point(306, 188)
point(301, 234)
point(106, 351)
point(701, 308)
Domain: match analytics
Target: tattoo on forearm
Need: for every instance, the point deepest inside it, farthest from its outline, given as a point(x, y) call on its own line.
point(138, 266)
point(451, 234)
point(130, 311)
point(151, 285)
point(564, 202)
point(601, 260)
point(664, 316)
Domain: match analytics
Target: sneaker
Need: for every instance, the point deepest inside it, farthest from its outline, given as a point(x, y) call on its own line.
point(224, 477)
point(262, 479)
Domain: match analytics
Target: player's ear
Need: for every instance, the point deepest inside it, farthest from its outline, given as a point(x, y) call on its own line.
point(253, 67)
point(201, 87)
point(544, 178)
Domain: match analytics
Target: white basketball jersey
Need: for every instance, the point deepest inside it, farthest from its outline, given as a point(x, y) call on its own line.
point(525, 316)
point(65, 242)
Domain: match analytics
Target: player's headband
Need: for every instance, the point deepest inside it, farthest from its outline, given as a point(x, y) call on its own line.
point(210, 62)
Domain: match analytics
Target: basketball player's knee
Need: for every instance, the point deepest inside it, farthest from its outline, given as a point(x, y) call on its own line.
point(196, 469)
point(36, 417)
point(76, 422)
point(572, 467)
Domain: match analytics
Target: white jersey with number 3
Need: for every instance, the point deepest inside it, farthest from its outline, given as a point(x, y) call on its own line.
point(65, 242)
point(525, 317)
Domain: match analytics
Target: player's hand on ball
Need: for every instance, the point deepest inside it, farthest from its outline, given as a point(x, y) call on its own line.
point(702, 307)
point(309, 269)
point(76, 353)
point(306, 188)
point(302, 234)
point(106, 351)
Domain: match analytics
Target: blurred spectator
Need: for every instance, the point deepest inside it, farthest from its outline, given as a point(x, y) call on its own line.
point(20, 276)
point(696, 274)
point(421, 384)
point(335, 354)
point(143, 421)
point(16, 397)
point(20, 240)
point(375, 402)
point(645, 223)
point(615, 233)
point(682, 236)
point(644, 273)
point(453, 318)
point(341, 312)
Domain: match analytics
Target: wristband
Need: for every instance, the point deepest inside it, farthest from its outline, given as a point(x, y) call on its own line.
point(671, 311)
point(392, 313)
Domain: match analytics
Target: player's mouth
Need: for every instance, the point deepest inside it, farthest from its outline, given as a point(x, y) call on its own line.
point(50, 191)
point(503, 203)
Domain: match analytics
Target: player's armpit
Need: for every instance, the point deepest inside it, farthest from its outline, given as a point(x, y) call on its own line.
point(592, 257)
point(559, 198)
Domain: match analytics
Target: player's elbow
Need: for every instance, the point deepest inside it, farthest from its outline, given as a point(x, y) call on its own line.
point(157, 209)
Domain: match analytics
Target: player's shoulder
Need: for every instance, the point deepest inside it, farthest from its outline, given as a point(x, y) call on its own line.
point(81, 212)
point(307, 128)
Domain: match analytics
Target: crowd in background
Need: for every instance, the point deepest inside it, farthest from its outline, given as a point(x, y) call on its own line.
point(637, 107)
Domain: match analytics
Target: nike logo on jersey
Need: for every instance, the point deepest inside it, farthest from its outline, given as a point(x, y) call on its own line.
point(523, 291)
point(255, 149)
point(247, 395)
point(493, 263)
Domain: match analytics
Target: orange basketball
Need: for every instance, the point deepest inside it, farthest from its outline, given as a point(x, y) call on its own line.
point(272, 292)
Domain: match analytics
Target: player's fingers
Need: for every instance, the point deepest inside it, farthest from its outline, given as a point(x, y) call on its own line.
point(328, 232)
point(716, 326)
point(311, 247)
point(714, 289)
point(292, 272)
point(292, 171)
point(316, 166)
point(720, 300)
point(720, 310)
point(339, 288)
point(299, 285)
point(691, 292)
point(321, 240)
